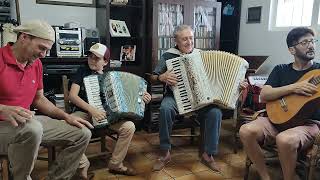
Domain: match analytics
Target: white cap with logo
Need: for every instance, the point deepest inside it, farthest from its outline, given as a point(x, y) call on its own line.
point(100, 50)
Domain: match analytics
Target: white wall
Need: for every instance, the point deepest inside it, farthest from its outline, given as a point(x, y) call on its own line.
point(257, 40)
point(57, 14)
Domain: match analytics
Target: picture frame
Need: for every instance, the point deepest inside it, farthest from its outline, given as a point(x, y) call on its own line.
point(118, 2)
point(118, 28)
point(81, 3)
point(10, 12)
point(128, 52)
point(254, 14)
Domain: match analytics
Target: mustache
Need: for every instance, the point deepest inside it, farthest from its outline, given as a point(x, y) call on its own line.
point(310, 51)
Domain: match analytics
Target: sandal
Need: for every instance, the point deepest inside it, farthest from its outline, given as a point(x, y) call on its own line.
point(127, 172)
point(211, 164)
point(160, 164)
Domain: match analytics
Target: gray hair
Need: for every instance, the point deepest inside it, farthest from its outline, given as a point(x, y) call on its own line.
point(180, 28)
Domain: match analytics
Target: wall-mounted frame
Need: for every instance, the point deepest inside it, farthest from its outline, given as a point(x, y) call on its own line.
point(254, 14)
point(10, 12)
point(82, 3)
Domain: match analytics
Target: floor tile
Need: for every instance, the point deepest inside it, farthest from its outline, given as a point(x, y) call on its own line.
point(208, 175)
point(176, 171)
point(159, 175)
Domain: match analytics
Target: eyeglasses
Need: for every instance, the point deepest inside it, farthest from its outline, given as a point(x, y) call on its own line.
point(306, 43)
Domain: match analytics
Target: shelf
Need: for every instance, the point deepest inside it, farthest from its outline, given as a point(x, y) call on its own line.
point(64, 60)
point(126, 6)
point(165, 37)
point(131, 37)
point(206, 37)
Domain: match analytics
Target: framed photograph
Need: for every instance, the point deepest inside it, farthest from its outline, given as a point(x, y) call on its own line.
point(128, 53)
point(119, 2)
point(83, 3)
point(254, 14)
point(118, 28)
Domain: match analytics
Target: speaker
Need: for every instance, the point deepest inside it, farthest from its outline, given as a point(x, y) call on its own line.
point(88, 42)
point(89, 33)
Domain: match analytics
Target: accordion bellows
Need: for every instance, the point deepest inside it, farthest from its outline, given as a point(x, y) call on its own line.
point(120, 94)
point(207, 77)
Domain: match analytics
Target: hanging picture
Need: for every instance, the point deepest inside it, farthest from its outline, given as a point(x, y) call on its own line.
point(254, 14)
point(83, 3)
point(128, 53)
point(118, 29)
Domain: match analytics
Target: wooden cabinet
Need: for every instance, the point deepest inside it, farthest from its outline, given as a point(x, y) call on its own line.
point(230, 23)
point(55, 67)
point(134, 15)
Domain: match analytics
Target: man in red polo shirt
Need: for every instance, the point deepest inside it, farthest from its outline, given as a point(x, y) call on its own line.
point(21, 132)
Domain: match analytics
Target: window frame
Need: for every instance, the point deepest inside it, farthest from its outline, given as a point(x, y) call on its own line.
point(273, 16)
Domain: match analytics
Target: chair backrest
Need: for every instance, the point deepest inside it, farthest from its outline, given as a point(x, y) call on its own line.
point(65, 86)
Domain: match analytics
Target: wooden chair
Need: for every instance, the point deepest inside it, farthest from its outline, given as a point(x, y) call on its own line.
point(307, 160)
point(186, 122)
point(4, 168)
point(5, 164)
point(51, 157)
point(98, 134)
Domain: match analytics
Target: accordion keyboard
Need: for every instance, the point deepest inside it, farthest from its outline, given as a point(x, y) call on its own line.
point(92, 87)
point(182, 99)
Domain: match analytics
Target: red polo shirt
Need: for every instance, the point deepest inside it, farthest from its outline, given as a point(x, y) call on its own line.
point(18, 85)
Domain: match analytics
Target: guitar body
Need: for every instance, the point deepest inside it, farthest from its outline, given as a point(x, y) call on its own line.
point(294, 108)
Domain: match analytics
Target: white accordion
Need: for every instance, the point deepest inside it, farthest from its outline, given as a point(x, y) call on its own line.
point(207, 77)
point(118, 93)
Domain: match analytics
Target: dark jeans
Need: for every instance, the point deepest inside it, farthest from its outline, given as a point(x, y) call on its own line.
point(211, 117)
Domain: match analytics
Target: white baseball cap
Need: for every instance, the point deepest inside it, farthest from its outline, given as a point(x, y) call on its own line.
point(100, 51)
point(37, 28)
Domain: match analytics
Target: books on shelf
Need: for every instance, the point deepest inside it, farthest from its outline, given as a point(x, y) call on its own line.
point(128, 53)
point(118, 28)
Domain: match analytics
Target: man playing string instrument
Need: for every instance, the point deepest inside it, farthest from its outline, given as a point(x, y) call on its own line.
point(282, 82)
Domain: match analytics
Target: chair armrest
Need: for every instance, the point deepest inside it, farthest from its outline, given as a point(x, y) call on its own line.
point(256, 114)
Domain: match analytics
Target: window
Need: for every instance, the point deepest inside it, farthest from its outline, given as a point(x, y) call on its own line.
point(319, 16)
point(290, 13)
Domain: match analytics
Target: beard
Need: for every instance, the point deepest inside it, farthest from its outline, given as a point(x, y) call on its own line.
point(305, 56)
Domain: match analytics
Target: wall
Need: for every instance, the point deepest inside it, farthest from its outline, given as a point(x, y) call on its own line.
point(56, 14)
point(256, 39)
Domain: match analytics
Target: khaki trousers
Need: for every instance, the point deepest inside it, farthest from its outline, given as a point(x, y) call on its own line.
point(22, 143)
point(125, 130)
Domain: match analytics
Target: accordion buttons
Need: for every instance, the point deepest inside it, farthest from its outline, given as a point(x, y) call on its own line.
point(140, 93)
point(139, 100)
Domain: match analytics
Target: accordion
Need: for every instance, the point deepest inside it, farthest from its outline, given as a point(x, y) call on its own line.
point(118, 93)
point(207, 77)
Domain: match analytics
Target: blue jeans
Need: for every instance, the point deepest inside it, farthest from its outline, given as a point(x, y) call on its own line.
point(211, 116)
